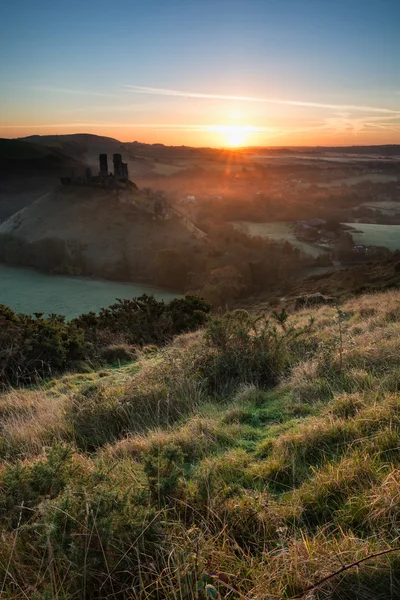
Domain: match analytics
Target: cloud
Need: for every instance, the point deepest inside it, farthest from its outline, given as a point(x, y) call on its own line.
point(179, 93)
point(346, 123)
point(106, 108)
point(71, 91)
point(180, 126)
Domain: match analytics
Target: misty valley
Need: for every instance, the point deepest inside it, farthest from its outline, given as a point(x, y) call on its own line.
point(30, 291)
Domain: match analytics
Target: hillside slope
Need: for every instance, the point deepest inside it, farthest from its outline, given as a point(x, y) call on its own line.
point(86, 147)
point(255, 462)
point(368, 277)
point(28, 170)
point(98, 231)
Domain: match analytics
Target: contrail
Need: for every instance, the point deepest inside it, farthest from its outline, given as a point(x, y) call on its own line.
point(107, 124)
point(74, 92)
point(166, 92)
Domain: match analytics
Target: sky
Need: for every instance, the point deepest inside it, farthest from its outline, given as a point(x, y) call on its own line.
point(203, 72)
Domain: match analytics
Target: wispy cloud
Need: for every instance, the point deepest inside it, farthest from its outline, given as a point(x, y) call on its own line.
point(69, 91)
point(179, 93)
point(105, 108)
point(341, 123)
point(172, 126)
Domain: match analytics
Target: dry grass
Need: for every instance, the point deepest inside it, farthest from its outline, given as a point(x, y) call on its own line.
point(31, 420)
point(198, 437)
point(265, 492)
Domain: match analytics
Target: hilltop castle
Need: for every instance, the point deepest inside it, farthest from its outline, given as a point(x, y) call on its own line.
point(120, 177)
point(120, 168)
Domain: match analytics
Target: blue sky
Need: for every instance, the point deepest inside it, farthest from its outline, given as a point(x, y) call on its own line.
point(255, 71)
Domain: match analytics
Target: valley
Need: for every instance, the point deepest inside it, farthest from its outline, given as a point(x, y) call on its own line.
point(197, 219)
point(30, 291)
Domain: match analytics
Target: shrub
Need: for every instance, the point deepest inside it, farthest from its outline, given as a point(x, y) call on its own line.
point(145, 320)
point(32, 348)
point(22, 487)
point(119, 353)
point(35, 347)
point(100, 533)
point(163, 467)
point(247, 350)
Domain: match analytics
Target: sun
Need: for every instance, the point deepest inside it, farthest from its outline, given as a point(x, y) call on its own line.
point(235, 136)
point(232, 136)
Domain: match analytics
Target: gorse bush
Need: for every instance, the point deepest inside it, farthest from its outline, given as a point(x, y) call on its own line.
point(163, 467)
point(245, 350)
point(23, 487)
point(37, 347)
point(83, 517)
point(145, 320)
point(32, 348)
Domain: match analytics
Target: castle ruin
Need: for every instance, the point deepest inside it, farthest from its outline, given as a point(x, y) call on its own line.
point(118, 179)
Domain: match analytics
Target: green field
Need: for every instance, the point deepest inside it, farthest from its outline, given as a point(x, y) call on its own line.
point(278, 232)
point(356, 179)
point(388, 207)
point(166, 169)
point(371, 234)
point(29, 291)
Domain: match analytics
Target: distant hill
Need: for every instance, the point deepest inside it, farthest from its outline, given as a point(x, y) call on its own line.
point(86, 147)
point(22, 157)
point(383, 150)
point(30, 169)
point(99, 143)
point(78, 144)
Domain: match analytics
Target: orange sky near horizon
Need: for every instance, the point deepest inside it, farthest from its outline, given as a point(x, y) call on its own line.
point(199, 119)
point(217, 136)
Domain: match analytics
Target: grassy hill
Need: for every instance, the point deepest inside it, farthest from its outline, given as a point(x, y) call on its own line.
point(254, 459)
point(28, 170)
point(87, 147)
point(23, 157)
point(94, 231)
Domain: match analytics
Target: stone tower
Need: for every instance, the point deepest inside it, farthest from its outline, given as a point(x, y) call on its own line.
point(103, 165)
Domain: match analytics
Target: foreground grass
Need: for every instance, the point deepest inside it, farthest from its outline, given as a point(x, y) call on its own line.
point(191, 474)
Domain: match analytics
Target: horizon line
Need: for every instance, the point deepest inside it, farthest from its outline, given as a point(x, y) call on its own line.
point(232, 149)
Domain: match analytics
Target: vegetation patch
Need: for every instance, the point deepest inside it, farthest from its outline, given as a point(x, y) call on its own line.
point(257, 457)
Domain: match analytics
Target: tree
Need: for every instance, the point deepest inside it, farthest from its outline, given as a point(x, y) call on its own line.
point(171, 268)
point(223, 286)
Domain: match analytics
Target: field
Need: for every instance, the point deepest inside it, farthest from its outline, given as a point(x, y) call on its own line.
point(166, 169)
point(387, 207)
point(373, 177)
point(29, 291)
point(278, 232)
point(178, 165)
point(370, 234)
